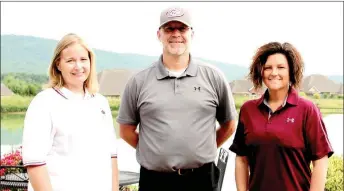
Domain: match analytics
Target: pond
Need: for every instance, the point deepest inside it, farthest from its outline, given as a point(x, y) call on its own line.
point(12, 131)
point(12, 128)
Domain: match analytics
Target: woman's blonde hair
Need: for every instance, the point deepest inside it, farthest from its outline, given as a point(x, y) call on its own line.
point(55, 76)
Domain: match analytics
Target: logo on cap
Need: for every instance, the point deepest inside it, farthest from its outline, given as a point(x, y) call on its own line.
point(175, 12)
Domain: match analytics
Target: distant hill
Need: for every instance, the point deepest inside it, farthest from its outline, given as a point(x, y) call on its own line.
point(27, 54)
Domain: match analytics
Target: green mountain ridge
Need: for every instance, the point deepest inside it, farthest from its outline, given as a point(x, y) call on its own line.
point(29, 54)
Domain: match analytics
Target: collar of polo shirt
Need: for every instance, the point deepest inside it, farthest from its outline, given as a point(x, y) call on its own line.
point(72, 96)
point(292, 97)
point(175, 73)
point(265, 101)
point(162, 73)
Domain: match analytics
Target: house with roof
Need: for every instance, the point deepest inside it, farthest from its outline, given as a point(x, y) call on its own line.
point(112, 81)
point(310, 85)
point(245, 87)
point(321, 84)
point(5, 91)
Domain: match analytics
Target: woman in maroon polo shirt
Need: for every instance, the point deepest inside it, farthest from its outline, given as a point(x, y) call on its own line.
point(281, 133)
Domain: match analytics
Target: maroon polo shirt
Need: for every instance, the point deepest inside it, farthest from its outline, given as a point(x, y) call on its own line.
point(280, 148)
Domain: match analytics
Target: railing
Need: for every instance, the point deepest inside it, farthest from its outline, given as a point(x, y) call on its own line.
point(14, 178)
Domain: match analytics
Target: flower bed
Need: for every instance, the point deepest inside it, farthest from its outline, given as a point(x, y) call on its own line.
point(11, 159)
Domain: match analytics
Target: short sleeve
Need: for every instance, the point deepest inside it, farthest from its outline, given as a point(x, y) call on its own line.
point(128, 113)
point(239, 144)
point(111, 130)
point(37, 133)
point(317, 140)
point(226, 110)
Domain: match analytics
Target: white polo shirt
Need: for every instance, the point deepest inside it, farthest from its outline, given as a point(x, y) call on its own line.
point(73, 136)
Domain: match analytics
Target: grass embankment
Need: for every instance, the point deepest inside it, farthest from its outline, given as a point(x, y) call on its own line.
point(12, 104)
point(16, 103)
point(20, 104)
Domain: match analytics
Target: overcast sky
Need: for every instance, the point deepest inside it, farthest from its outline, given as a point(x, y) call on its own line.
point(224, 31)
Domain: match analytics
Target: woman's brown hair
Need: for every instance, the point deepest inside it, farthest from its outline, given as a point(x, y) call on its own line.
point(295, 62)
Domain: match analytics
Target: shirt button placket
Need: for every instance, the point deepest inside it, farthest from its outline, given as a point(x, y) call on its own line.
point(269, 121)
point(176, 85)
point(269, 118)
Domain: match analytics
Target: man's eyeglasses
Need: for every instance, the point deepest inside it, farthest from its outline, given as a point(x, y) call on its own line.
point(181, 29)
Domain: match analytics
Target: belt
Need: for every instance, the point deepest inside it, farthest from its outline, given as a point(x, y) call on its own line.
point(181, 172)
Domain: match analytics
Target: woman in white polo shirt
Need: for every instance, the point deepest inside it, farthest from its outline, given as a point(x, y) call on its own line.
point(69, 141)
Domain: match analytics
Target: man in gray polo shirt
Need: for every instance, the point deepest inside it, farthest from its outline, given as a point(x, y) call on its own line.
point(176, 103)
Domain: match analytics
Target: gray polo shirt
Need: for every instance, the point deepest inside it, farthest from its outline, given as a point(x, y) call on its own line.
point(176, 115)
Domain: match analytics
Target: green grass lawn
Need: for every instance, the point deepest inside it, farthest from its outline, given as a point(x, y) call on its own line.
point(326, 105)
point(14, 103)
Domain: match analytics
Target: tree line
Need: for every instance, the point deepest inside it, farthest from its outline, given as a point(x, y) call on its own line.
point(24, 84)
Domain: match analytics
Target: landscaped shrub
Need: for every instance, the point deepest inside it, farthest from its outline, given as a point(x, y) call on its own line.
point(326, 95)
point(333, 96)
point(131, 188)
point(302, 94)
point(335, 174)
point(316, 96)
